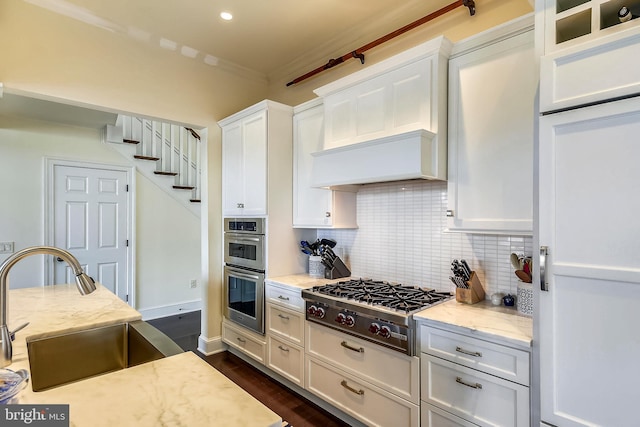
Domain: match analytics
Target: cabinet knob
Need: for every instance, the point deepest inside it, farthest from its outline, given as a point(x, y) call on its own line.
point(327, 214)
point(449, 213)
point(240, 205)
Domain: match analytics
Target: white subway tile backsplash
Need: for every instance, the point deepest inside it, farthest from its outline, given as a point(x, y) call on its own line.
point(401, 239)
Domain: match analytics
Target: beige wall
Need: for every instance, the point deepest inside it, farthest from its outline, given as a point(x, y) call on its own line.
point(52, 55)
point(455, 25)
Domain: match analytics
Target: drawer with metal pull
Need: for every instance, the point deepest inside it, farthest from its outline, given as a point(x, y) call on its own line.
point(388, 369)
point(287, 297)
point(475, 396)
point(286, 359)
point(360, 399)
point(505, 362)
point(285, 323)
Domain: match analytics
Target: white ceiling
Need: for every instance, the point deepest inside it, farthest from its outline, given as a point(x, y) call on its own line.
point(264, 36)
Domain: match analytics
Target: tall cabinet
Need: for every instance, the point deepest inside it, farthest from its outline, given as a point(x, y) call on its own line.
point(492, 86)
point(588, 283)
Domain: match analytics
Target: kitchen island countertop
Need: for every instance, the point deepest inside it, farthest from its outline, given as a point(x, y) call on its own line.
point(483, 320)
point(177, 390)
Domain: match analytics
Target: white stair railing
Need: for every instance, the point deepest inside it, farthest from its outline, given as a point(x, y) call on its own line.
point(175, 149)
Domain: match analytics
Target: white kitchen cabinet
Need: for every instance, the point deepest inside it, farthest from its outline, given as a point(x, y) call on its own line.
point(404, 93)
point(248, 138)
point(492, 84)
point(370, 404)
point(588, 314)
point(568, 23)
point(245, 341)
point(589, 55)
point(432, 416)
point(468, 381)
point(375, 385)
point(285, 321)
point(315, 207)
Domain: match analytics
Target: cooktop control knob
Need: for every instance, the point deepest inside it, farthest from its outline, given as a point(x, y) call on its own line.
point(320, 313)
point(341, 318)
point(385, 332)
point(312, 310)
point(350, 321)
point(374, 328)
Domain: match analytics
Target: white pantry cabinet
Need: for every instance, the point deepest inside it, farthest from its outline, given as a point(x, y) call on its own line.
point(588, 313)
point(589, 55)
point(492, 85)
point(248, 138)
point(315, 207)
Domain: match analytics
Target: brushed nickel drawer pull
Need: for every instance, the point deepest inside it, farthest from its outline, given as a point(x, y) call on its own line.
point(283, 298)
point(243, 341)
point(283, 349)
point(283, 317)
point(470, 353)
point(346, 345)
point(476, 385)
point(351, 389)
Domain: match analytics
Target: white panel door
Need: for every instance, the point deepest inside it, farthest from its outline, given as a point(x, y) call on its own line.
point(589, 316)
point(90, 208)
point(490, 154)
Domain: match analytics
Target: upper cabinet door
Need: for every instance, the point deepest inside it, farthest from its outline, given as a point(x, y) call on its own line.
point(315, 207)
point(244, 165)
point(491, 124)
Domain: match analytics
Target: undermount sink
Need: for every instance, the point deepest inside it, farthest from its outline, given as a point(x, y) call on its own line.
point(70, 357)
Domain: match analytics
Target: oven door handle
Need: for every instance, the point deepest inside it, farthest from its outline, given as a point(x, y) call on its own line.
point(236, 273)
point(244, 239)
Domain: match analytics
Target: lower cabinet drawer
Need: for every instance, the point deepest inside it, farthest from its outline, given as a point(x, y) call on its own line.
point(388, 369)
point(286, 359)
point(473, 395)
point(431, 416)
point(366, 402)
point(285, 323)
point(505, 362)
point(244, 341)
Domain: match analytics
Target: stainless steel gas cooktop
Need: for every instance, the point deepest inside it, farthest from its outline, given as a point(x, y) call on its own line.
point(374, 310)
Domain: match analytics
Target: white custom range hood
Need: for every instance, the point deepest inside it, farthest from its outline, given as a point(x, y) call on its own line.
point(387, 122)
point(411, 155)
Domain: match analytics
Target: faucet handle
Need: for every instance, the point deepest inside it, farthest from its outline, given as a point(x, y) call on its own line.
point(12, 334)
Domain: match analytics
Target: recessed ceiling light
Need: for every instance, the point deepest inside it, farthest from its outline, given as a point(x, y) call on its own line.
point(227, 16)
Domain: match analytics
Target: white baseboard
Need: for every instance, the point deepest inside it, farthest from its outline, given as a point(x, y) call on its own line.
point(209, 346)
point(170, 310)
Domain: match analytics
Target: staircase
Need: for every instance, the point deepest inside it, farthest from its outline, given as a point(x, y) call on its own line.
point(166, 153)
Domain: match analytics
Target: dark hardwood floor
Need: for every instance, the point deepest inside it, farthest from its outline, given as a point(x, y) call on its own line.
point(296, 410)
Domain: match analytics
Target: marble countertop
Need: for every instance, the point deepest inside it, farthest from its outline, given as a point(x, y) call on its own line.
point(482, 320)
point(300, 281)
point(177, 390)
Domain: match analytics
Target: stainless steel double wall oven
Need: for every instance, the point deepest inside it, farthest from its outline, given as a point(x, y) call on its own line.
point(245, 264)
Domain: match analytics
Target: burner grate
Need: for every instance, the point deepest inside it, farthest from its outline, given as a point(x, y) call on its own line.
point(395, 296)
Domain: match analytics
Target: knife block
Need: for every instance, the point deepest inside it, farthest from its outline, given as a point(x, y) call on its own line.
point(339, 270)
point(474, 294)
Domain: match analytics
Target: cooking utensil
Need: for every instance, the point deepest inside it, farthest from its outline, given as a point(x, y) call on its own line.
point(467, 269)
point(525, 277)
point(329, 242)
point(515, 261)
